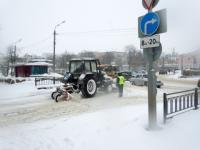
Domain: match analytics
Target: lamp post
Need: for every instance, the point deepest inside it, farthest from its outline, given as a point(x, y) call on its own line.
point(54, 47)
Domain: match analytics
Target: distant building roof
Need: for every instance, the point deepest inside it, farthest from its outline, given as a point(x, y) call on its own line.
point(40, 60)
point(83, 58)
point(35, 64)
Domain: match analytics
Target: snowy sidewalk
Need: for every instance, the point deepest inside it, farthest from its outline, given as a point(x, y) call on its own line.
point(114, 129)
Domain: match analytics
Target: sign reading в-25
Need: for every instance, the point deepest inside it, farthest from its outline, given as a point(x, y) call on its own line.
point(148, 42)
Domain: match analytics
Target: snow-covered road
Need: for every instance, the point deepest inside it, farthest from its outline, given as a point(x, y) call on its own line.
point(30, 119)
point(21, 103)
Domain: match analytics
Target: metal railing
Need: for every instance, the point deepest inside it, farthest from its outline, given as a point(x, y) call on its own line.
point(40, 81)
point(179, 102)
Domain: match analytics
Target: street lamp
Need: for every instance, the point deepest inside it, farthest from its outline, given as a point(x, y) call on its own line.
point(54, 47)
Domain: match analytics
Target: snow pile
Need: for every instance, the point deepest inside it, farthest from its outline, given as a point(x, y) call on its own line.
point(12, 92)
point(179, 77)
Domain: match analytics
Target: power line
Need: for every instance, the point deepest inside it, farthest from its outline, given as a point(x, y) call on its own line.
point(116, 31)
point(101, 31)
point(37, 43)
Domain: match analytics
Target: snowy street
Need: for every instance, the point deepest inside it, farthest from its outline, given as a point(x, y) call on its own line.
point(99, 75)
point(30, 119)
point(19, 105)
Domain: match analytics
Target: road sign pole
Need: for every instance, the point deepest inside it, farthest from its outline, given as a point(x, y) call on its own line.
point(152, 91)
point(150, 24)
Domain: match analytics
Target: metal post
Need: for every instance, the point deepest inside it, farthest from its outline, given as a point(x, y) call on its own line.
point(165, 107)
point(196, 99)
point(181, 64)
point(54, 55)
point(54, 49)
point(14, 60)
point(152, 114)
point(35, 82)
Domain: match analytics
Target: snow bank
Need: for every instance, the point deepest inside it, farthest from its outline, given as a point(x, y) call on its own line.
point(16, 92)
point(178, 77)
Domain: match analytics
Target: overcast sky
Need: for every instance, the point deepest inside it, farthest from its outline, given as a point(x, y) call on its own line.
point(96, 25)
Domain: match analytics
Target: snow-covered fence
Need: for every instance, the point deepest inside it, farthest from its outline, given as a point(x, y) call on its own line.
point(42, 81)
point(11, 80)
point(179, 102)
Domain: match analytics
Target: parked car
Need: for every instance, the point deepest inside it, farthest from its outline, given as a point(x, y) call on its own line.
point(163, 71)
point(142, 79)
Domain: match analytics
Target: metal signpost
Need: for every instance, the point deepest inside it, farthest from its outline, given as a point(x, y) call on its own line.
point(152, 41)
point(150, 26)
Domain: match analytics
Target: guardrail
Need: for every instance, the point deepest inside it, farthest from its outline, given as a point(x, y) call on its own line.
point(179, 102)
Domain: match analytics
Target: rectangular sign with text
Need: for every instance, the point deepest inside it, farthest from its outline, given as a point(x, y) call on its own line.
point(150, 41)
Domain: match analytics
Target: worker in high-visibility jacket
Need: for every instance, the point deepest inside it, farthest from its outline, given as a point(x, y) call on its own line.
point(120, 83)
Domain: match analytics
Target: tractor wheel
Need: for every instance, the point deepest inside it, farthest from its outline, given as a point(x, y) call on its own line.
point(89, 88)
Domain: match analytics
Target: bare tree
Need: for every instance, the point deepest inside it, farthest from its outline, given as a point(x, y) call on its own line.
point(61, 61)
point(108, 58)
point(86, 53)
point(48, 56)
point(131, 52)
point(10, 60)
point(135, 57)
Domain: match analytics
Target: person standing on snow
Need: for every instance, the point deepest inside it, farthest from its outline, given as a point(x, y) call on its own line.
point(120, 83)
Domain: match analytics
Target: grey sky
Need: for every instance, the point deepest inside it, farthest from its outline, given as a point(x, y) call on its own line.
point(97, 25)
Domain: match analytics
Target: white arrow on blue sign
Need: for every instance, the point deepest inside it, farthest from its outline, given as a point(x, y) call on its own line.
point(149, 24)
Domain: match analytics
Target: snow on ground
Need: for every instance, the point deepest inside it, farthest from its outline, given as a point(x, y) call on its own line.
point(178, 76)
point(21, 93)
point(57, 75)
point(112, 129)
point(29, 119)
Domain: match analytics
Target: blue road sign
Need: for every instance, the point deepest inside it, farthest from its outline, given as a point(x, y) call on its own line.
point(149, 24)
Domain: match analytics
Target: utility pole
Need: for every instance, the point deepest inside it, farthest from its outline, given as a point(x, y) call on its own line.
point(54, 54)
point(54, 49)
